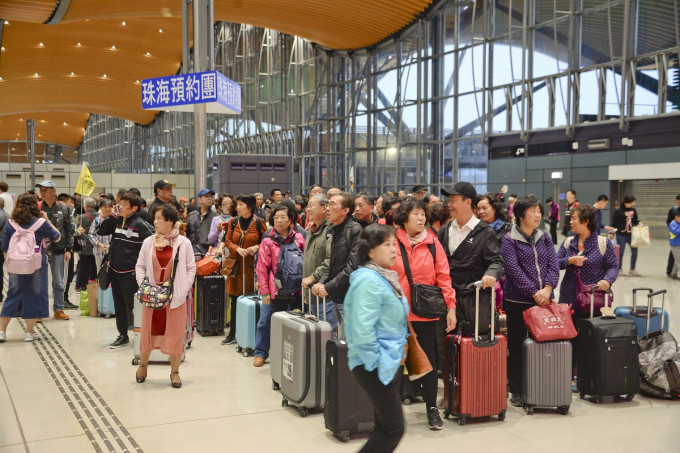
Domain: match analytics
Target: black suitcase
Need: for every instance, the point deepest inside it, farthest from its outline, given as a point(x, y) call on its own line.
point(607, 357)
point(347, 409)
point(410, 391)
point(210, 304)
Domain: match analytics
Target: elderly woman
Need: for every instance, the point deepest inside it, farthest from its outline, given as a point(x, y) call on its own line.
point(490, 210)
point(420, 249)
point(375, 326)
point(163, 255)
point(531, 273)
point(220, 223)
point(241, 242)
point(29, 288)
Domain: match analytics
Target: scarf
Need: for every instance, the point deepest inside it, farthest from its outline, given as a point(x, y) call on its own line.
point(417, 239)
point(391, 276)
point(497, 225)
point(530, 239)
point(161, 241)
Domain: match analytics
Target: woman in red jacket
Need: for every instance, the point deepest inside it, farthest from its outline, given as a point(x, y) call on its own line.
point(429, 266)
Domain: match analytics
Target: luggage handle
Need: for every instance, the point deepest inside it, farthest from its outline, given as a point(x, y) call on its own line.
point(635, 290)
point(492, 336)
point(243, 271)
point(592, 299)
point(650, 308)
point(309, 291)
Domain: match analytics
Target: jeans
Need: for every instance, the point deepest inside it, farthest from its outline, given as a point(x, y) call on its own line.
point(388, 414)
point(330, 314)
point(123, 286)
point(57, 270)
point(264, 325)
point(622, 241)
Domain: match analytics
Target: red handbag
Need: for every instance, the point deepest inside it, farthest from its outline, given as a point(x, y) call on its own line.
point(550, 323)
point(208, 265)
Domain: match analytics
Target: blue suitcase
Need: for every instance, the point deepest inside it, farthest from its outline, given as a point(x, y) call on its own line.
point(247, 315)
point(105, 305)
point(639, 315)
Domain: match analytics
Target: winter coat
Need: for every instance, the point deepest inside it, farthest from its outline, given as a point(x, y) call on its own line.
point(597, 267)
point(231, 241)
point(268, 258)
point(126, 240)
point(345, 238)
point(674, 233)
point(528, 268)
point(375, 324)
point(424, 269)
point(624, 220)
point(317, 252)
point(184, 273)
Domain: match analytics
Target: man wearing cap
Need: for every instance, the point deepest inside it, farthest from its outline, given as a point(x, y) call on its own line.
point(163, 191)
point(473, 252)
point(419, 191)
point(59, 252)
point(199, 221)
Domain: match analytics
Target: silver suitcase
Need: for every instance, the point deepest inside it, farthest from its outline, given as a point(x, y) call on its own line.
point(276, 335)
point(303, 360)
point(547, 375)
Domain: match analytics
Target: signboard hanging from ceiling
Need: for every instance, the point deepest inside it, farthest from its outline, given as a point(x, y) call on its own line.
point(180, 92)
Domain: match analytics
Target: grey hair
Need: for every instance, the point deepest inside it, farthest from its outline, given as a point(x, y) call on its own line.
point(258, 193)
point(89, 202)
point(321, 198)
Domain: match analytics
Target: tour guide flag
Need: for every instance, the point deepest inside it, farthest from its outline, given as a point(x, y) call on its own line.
point(85, 184)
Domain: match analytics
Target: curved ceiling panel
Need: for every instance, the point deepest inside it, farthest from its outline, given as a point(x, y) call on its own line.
point(65, 128)
point(27, 10)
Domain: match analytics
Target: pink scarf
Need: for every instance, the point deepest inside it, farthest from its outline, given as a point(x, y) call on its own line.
point(161, 241)
point(417, 239)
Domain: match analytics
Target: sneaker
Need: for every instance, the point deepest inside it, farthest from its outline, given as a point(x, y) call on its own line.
point(69, 306)
point(30, 337)
point(517, 400)
point(59, 314)
point(229, 340)
point(434, 421)
point(120, 342)
point(634, 273)
point(3, 337)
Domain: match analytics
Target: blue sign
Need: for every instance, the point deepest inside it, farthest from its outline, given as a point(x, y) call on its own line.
point(180, 92)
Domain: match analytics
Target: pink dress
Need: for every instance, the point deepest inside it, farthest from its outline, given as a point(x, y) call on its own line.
point(163, 329)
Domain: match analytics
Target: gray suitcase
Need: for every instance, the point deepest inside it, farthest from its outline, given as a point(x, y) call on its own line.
point(547, 375)
point(276, 336)
point(303, 358)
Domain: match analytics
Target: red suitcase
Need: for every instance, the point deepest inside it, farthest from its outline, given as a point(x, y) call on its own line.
point(475, 372)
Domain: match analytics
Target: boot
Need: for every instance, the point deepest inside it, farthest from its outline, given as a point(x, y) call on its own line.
point(92, 288)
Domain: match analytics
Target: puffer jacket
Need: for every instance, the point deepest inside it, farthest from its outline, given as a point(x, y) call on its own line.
point(528, 268)
point(317, 252)
point(375, 324)
point(345, 238)
point(424, 269)
point(268, 258)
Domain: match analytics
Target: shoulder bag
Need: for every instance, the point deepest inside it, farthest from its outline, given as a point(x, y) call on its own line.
point(158, 296)
point(427, 301)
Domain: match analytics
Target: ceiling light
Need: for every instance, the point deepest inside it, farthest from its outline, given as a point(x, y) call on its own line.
point(21, 119)
point(6, 23)
point(65, 123)
point(123, 23)
point(37, 75)
point(41, 45)
point(104, 75)
point(148, 54)
point(0, 79)
point(160, 30)
point(72, 74)
point(79, 44)
point(137, 81)
point(2, 48)
point(42, 121)
point(113, 47)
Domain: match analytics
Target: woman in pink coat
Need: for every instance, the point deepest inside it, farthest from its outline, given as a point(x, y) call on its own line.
point(165, 329)
point(428, 264)
point(278, 292)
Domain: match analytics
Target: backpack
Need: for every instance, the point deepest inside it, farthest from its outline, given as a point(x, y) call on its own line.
point(23, 253)
point(601, 243)
point(288, 277)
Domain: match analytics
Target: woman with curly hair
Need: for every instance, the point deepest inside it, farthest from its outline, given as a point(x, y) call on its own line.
point(29, 288)
point(490, 210)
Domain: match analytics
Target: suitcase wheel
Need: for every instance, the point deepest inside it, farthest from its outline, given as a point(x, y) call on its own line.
point(407, 401)
point(582, 395)
point(461, 421)
point(303, 412)
point(529, 410)
point(246, 353)
point(284, 402)
point(629, 397)
point(447, 414)
point(501, 416)
point(136, 361)
point(107, 316)
point(343, 437)
point(564, 410)
point(239, 349)
point(188, 345)
point(275, 386)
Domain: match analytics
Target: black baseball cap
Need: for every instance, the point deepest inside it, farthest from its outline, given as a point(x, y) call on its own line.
point(418, 188)
point(161, 184)
point(462, 188)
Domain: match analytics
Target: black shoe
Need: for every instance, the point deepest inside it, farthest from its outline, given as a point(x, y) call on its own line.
point(229, 340)
point(69, 306)
point(120, 342)
point(434, 421)
point(517, 400)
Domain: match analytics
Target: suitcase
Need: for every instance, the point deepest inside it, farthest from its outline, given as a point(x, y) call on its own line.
point(475, 372)
point(639, 316)
point(247, 315)
point(547, 375)
point(210, 304)
point(275, 340)
point(607, 356)
point(303, 354)
point(156, 355)
point(105, 305)
point(347, 410)
point(410, 391)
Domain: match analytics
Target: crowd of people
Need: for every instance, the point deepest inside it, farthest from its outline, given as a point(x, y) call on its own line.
point(360, 253)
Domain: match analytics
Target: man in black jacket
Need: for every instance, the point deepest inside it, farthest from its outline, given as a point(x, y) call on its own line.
point(199, 221)
point(162, 190)
point(129, 231)
point(473, 252)
point(344, 232)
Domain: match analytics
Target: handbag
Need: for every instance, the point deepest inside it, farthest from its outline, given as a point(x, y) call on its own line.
point(583, 295)
point(207, 265)
point(550, 323)
point(103, 276)
point(158, 296)
point(231, 266)
point(417, 363)
point(640, 236)
point(427, 301)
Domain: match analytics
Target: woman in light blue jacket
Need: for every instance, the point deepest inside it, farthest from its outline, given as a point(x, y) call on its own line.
point(375, 327)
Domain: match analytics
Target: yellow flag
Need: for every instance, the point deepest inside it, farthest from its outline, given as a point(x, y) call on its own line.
point(85, 184)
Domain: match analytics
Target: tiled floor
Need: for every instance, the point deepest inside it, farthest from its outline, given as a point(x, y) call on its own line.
point(226, 404)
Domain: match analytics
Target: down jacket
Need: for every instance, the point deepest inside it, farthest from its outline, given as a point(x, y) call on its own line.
point(268, 257)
